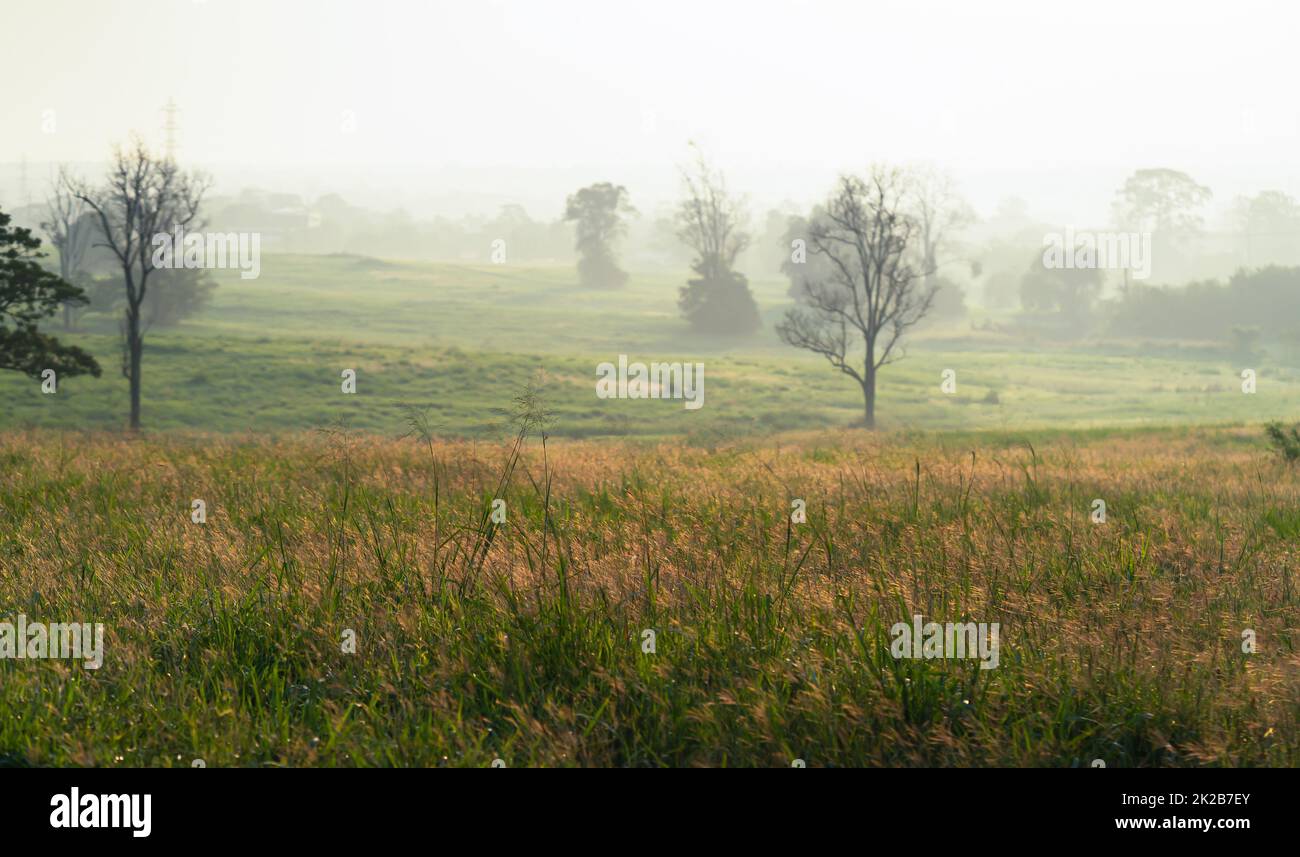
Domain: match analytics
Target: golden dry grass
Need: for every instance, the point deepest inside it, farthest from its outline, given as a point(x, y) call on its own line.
point(1120, 641)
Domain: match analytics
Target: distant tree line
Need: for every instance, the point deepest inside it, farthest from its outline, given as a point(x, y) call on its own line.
point(887, 251)
point(1265, 302)
point(1261, 245)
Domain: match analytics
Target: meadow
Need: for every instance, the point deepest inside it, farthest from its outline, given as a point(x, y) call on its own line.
point(524, 641)
point(333, 518)
point(268, 354)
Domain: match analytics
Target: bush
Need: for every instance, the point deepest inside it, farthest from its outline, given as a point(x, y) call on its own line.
point(1266, 300)
point(172, 295)
point(1243, 340)
point(600, 272)
point(722, 305)
point(1286, 441)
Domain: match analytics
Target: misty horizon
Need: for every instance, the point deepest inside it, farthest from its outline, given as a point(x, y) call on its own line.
point(501, 101)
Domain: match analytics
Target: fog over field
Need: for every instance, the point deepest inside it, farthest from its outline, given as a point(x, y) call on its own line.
point(515, 102)
point(821, 384)
point(439, 145)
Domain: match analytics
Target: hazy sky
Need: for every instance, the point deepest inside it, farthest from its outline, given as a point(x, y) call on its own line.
point(778, 92)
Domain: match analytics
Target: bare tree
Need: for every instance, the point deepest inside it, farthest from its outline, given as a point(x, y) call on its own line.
point(144, 195)
point(710, 219)
point(939, 211)
point(712, 222)
point(874, 290)
point(70, 232)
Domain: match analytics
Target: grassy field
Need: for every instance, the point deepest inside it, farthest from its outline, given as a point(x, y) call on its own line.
point(523, 642)
point(331, 515)
point(268, 355)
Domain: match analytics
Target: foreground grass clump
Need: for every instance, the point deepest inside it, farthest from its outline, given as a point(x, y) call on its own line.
point(1119, 641)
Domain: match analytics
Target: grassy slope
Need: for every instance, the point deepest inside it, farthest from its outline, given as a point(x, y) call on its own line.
point(267, 357)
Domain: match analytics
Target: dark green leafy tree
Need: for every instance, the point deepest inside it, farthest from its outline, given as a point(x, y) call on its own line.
point(799, 264)
point(175, 294)
point(1269, 228)
point(28, 294)
point(1072, 292)
point(1166, 204)
point(600, 214)
point(1161, 200)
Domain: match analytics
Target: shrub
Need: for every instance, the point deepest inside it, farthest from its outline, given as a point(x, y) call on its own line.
point(1286, 441)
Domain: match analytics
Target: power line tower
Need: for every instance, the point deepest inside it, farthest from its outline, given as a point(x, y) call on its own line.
point(24, 190)
point(170, 127)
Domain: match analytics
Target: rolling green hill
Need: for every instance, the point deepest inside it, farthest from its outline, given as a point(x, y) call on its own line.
point(459, 341)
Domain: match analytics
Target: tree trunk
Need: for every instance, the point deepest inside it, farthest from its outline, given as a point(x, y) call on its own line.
point(869, 385)
point(869, 399)
point(135, 350)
